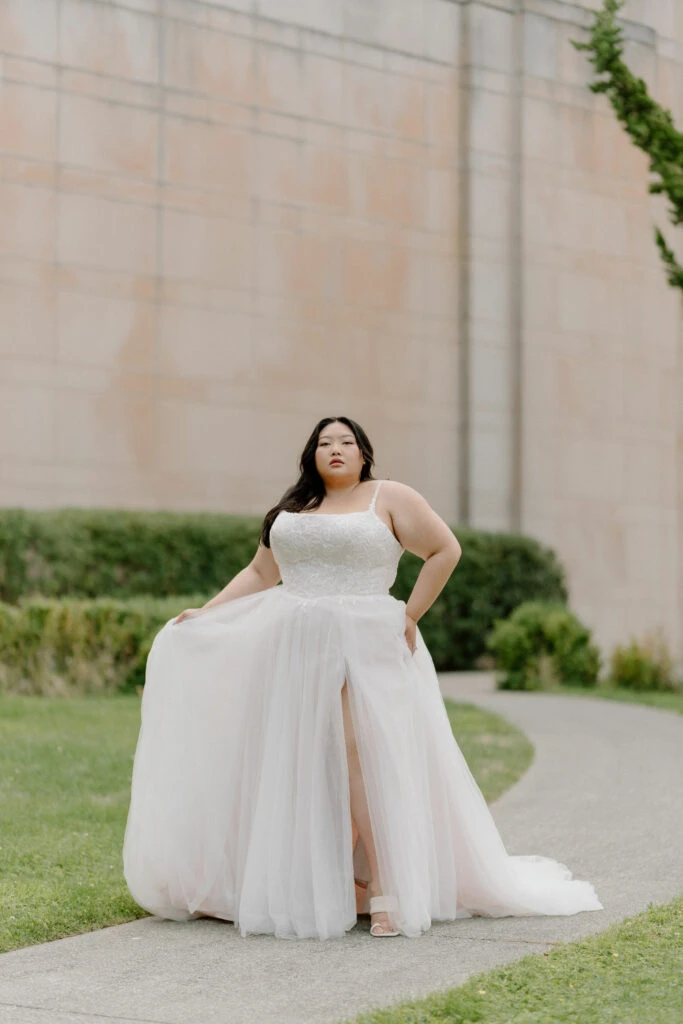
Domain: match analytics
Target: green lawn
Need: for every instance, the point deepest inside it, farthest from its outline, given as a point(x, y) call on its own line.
point(632, 973)
point(669, 701)
point(64, 788)
point(498, 753)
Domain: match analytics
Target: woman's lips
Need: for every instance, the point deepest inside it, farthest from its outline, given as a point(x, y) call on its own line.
point(336, 462)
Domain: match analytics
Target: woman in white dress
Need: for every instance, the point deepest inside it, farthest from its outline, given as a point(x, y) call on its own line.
point(293, 738)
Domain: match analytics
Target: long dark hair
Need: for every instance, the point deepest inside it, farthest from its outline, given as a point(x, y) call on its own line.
point(309, 490)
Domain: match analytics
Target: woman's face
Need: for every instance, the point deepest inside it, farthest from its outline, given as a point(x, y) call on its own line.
point(338, 457)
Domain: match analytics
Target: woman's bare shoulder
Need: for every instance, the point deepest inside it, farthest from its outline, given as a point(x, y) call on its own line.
point(417, 525)
point(403, 493)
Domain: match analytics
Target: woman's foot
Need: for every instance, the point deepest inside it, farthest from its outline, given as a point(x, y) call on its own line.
point(379, 921)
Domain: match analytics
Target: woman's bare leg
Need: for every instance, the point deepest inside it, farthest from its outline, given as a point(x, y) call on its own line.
point(359, 808)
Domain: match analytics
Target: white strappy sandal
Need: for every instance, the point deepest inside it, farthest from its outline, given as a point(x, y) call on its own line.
point(378, 904)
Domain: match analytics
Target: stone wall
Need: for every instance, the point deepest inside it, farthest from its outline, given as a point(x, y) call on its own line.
point(222, 227)
point(222, 221)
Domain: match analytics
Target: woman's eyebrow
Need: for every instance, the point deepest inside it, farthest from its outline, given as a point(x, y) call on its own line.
point(328, 437)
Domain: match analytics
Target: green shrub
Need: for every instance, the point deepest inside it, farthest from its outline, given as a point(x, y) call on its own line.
point(119, 555)
point(72, 647)
point(497, 572)
point(644, 665)
point(542, 644)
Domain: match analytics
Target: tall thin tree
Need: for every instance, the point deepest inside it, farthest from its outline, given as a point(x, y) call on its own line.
point(650, 125)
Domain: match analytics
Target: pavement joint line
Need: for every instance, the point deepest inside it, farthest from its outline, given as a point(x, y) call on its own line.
point(529, 942)
point(85, 1013)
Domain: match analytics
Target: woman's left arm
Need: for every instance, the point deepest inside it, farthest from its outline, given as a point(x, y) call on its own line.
point(424, 533)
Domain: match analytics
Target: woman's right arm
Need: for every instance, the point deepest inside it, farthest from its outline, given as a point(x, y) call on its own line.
point(261, 573)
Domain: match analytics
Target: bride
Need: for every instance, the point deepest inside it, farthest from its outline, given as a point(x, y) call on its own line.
point(295, 764)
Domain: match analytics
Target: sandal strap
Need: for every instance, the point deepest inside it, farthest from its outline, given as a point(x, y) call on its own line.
point(378, 904)
point(382, 933)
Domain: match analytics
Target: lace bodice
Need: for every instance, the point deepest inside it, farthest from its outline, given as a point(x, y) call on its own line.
point(327, 553)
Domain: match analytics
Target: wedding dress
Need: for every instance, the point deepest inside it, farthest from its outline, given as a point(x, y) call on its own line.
point(240, 804)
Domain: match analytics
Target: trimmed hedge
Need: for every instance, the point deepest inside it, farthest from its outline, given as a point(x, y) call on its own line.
point(120, 553)
point(113, 557)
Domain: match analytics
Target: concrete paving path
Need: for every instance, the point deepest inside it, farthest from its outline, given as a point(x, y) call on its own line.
point(603, 795)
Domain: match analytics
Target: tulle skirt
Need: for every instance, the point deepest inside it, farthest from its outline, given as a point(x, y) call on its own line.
point(240, 804)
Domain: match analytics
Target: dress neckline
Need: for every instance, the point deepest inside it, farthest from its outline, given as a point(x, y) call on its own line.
point(338, 515)
point(361, 511)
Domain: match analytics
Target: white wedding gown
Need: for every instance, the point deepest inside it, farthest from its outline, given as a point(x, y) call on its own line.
point(240, 802)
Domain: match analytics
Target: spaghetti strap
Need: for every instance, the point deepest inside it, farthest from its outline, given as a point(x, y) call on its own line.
point(374, 497)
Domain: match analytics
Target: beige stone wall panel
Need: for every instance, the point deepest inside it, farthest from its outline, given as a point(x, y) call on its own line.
point(205, 343)
point(108, 39)
point(28, 218)
point(113, 428)
point(26, 422)
point(114, 90)
point(28, 28)
point(108, 137)
point(115, 187)
point(105, 234)
point(105, 331)
point(27, 121)
point(206, 62)
point(27, 315)
point(206, 156)
point(209, 249)
point(392, 24)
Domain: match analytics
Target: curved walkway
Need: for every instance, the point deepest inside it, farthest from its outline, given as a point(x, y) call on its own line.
point(603, 795)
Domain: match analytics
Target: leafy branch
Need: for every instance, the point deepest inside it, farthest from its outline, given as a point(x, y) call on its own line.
point(650, 125)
